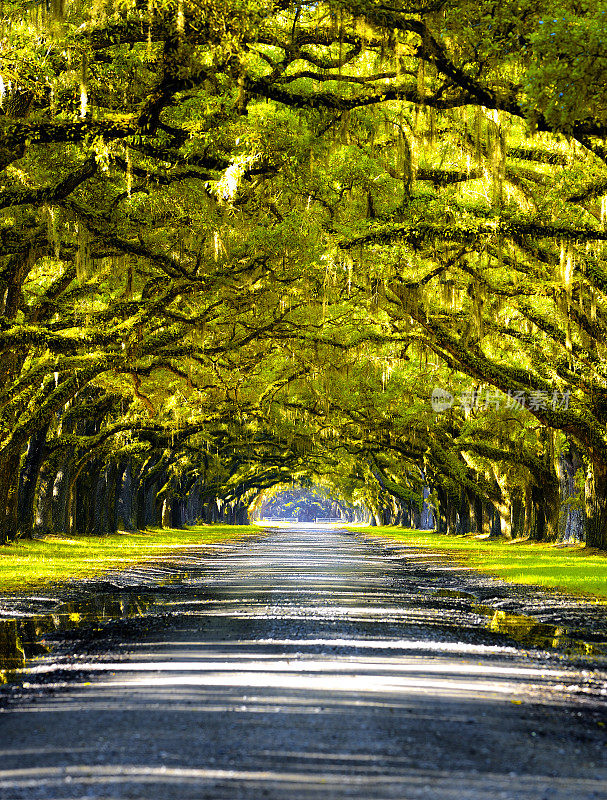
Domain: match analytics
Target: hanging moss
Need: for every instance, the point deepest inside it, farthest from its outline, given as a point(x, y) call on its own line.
point(83, 260)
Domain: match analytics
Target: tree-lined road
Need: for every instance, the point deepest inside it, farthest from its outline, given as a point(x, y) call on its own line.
point(308, 664)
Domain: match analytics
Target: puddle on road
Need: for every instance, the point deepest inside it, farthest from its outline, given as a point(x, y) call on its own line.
point(455, 593)
point(21, 639)
point(531, 633)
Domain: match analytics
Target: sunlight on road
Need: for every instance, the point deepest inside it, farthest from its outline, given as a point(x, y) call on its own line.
point(449, 785)
point(304, 667)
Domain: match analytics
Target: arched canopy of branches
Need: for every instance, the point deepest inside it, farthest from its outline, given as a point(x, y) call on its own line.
point(243, 243)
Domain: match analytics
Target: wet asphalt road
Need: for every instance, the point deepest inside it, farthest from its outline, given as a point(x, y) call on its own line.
point(305, 666)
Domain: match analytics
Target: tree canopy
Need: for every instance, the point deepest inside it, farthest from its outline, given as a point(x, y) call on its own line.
point(243, 244)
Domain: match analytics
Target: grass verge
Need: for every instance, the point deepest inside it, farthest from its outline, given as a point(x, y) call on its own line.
point(27, 565)
point(571, 568)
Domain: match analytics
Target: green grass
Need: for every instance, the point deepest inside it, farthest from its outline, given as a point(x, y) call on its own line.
point(27, 565)
point(574, 569)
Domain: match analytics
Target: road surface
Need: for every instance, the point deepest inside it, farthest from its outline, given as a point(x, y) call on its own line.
point(308, 664)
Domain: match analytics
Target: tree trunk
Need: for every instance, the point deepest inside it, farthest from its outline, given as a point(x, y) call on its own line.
point(126, 499)
point(417, 517)
point(596, 506)
point(572, 520)
point(99, 515)
point(43, 501)
point(59, 502)
point(177, 513)
point(9, 496)
point(495, 525)
point(138, 493)
point(111, 502)
point(166, 517)
point(28, 481)
point(105, 502)
point(85, 490)
point(242, 514)
point(478, 515)
point(463, 515)
point(545, 510)
point(451, 517)
point(441, 511)
point(538, 520)
point(552, 508)
point(427, 520)
point(487, 519)
point(518, 516)
point(151, 515)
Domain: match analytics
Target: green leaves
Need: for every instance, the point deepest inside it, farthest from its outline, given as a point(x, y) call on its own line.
point(565, 80)
point(272, 233)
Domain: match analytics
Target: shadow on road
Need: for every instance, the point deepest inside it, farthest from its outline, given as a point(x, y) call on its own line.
point(306, 666)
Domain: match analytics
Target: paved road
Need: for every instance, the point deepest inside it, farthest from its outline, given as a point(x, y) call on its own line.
point(300, 667)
